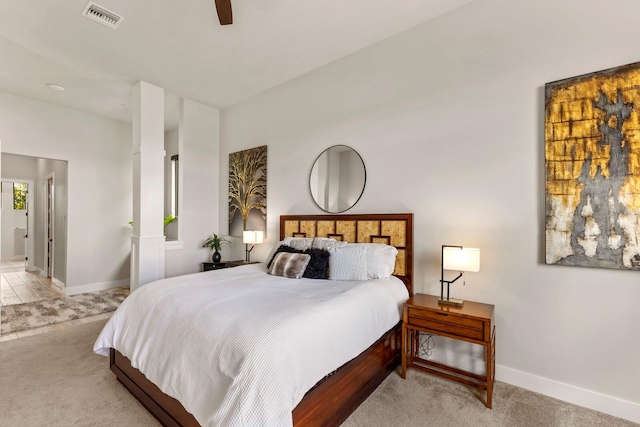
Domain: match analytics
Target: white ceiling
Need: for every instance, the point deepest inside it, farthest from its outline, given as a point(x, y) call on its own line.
point(180, 46)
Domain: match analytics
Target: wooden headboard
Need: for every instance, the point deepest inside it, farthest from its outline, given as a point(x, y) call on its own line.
point(390, 229)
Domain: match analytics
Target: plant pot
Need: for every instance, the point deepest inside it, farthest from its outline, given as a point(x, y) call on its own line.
point(216, 257)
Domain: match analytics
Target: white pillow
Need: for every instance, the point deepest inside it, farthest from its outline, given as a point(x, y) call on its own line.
point(348, 263)
point(381, 259)
point(304, 243)
point(327, 243)
point(301, 243)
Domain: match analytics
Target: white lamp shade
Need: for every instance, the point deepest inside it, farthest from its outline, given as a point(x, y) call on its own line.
point(461, 259)
point(252, 237)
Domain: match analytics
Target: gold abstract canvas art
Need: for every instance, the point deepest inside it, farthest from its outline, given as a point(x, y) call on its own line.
point(592, 160)
point(248, 190)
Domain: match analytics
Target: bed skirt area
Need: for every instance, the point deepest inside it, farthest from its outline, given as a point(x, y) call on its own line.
point(328, 403)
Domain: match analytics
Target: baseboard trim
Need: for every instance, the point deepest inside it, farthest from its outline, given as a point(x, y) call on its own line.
point(92, 287)
point(579, 396)
point(60, 285)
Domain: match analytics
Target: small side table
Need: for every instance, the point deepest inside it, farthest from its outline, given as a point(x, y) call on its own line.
point(473, 322)
point(206, 266)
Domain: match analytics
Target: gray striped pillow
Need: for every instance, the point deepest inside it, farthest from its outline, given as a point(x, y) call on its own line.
point(289, 265)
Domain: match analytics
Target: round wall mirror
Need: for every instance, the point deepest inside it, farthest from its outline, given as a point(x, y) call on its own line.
point(337, 179)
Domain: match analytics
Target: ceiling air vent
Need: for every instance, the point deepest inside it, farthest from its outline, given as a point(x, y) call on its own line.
point(102, 15)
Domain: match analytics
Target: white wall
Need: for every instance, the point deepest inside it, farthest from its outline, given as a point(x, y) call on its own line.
point(58, 170)
point(352, 176)
point(199, 144)
point(448, 118)
point(98, 152)
point(19, 167)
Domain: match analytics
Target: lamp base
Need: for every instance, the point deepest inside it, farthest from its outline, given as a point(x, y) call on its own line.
point(452, 301)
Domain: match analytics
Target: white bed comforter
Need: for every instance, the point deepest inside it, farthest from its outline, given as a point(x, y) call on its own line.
point(239, 347)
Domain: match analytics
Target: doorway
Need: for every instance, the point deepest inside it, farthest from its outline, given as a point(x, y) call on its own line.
point(19, 282)
point(14, 224)
point(49, 248)
point(17, 221)
point(38, 273)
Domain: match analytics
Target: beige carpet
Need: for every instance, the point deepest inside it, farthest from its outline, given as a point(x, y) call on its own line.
point(54, 379)
point(426, 400)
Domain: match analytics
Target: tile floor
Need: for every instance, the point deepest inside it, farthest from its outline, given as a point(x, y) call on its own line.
point(18, 286)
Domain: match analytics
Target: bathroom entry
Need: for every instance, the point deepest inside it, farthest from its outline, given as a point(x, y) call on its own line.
point(47, 206)
point(16, 242)
point(41, 207)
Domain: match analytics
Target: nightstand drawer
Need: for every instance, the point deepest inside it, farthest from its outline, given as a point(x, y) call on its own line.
point(442, 322)
point(207, 266)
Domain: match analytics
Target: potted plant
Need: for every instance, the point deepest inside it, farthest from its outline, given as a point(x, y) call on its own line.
point(215, 242)
point(168, 220)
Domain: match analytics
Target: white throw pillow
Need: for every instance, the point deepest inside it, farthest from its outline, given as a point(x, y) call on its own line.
point(381, 259)
point(304, 243)
point(301, 243)
point(327, 243)
point(348, 263)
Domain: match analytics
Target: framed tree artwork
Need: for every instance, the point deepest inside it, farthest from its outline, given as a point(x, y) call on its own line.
point(248, 190)
point(592, 161)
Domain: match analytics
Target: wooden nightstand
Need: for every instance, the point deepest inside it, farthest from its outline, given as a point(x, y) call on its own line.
point(473, 322)
point(206, 266)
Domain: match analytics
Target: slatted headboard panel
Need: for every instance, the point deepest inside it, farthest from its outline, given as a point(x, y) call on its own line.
point(390, 229)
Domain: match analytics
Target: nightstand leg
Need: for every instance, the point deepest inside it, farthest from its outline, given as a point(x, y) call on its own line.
point(491, 366)
point(403, 350)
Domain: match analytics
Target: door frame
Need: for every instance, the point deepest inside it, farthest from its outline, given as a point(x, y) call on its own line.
point(46, 224)
point(31, 221)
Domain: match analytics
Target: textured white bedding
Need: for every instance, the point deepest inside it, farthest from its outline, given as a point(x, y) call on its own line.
point(239, 347)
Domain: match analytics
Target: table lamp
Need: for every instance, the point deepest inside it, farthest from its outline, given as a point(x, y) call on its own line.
point(458, 259)
point(251, 237)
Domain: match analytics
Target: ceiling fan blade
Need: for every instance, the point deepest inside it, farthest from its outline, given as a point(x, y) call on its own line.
point(224, 12)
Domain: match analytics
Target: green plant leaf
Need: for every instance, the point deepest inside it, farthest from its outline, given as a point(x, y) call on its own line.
point(215, 242)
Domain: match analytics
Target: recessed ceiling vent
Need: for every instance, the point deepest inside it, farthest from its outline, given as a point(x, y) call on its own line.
point(102, 15)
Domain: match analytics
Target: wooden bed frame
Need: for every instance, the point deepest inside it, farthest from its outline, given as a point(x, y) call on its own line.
point(334, 398)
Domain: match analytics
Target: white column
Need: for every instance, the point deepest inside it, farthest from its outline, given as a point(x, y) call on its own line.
point(147, 242)
point(0, 220)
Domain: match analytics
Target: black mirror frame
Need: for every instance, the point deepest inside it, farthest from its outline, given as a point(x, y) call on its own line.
point(364, 184)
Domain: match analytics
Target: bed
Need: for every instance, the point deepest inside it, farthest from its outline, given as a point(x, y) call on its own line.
point(336, 396)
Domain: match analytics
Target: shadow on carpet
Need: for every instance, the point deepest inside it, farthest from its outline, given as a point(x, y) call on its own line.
point(31, 315)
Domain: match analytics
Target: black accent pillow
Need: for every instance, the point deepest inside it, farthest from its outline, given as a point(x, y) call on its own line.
point(318, 267)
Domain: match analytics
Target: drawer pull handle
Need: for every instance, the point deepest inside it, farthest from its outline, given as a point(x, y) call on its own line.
point(442, 314)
